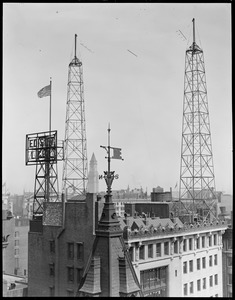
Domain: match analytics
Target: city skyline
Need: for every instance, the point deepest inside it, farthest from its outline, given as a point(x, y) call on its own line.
point(133, 59)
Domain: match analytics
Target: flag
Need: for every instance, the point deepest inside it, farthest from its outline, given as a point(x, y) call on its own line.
point(117, 153)
point(176, 185)
point(44, 92)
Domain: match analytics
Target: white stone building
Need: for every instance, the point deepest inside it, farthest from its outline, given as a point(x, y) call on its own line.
point(172, 259)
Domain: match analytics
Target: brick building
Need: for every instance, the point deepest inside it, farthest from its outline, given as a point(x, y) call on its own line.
point(58, 246)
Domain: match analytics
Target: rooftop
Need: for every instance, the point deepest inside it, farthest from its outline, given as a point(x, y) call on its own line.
point(136, 227)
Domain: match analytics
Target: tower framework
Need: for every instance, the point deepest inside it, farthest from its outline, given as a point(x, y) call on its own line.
point(43, 150)
point(197, 180)
point(75, 148)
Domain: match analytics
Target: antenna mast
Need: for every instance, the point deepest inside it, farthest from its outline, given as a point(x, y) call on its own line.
point(194, 42)
point(75, 146)
point(197, 180)
point(75, 46)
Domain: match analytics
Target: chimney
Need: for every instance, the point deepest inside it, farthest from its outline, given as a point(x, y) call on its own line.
point(146, 221)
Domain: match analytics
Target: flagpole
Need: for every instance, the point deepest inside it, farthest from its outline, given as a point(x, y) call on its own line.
point(50, 109)
point(109, 158)
point(48, 162)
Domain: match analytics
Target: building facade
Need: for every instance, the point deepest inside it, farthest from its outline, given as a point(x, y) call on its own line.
point(172, 259)
point(228, 262)
point(58, 246)
point(8, 235)
point(21, 247)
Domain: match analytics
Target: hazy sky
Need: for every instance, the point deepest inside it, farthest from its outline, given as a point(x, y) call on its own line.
point(140, 95)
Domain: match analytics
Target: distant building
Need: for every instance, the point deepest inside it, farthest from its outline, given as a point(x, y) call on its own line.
point(158, 195)
point(93, 176)
point(228, 260)
point(8, 237)
point(21, 246)
point(172, 259)
point(227, 201)
point(18, 203)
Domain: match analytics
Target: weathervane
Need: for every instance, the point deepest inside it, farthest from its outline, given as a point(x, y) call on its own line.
point(109, 175)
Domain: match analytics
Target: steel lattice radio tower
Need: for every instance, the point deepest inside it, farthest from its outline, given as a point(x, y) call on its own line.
point(75, 148)
point(197, 180)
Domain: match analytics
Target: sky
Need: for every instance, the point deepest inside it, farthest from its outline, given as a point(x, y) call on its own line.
point(140, 93)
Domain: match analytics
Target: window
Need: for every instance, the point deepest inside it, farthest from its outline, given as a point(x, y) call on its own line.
point(230, 244)
point(185, 289)
point(191, 287)
point(25, 272)
point(210, 241)
point(215, 259)
point(79, 275)
point(52, 291)
point(17, 233)
point(52, 246)
point(216, 279)
point(175, 273)
point(199, 284)
point(70, 251)
point(184, 245)
point(210, 260)
point(150, 250)
point(204, 283)
point(191, 266)
point(198, 264)
point(203, 262)
point(158, 249)
point(190, 244)
point(142, 252)
point(203, 242)
point(80, 250)
point(185, 267)
point(166, 248)
point(198, 243)
point(153, 281)
point(230, 279)
point(215, 239)
point(229, 261)
point(211, 280)
point(17, 262)
point(16, 251)
point(131, 252)
point(176, 247)
point(70, 274)
point(52, 269)
point(16, 242)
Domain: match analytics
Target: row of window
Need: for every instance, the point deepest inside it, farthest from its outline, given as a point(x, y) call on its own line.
point(201, 263)
point(200, 242)
point(201, 284)
point(70, 273)
point(70, 249)
point(187, 246)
